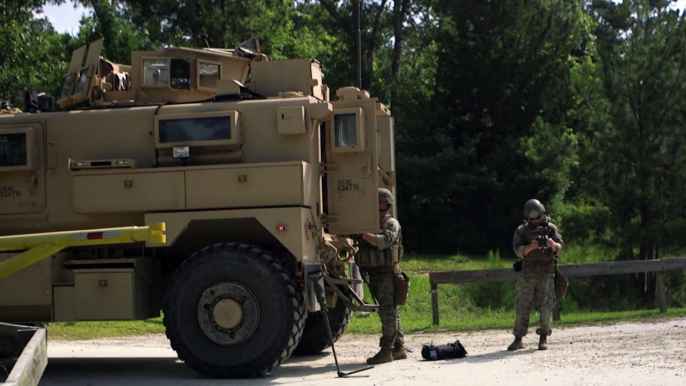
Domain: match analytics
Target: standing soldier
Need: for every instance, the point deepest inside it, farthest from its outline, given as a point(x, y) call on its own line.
point(538, 243)
point(379, 257)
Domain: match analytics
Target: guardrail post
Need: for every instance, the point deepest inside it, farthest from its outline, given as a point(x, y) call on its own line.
point(434, 302)
point(661, 291)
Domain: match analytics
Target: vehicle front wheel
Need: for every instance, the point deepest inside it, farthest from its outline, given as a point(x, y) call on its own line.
point(233, 310)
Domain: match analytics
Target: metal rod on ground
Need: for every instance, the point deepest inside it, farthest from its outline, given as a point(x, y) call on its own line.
point(322, 302)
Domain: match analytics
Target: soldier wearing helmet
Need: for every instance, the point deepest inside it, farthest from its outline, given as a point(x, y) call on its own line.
point(379, 258)
point(538, 243)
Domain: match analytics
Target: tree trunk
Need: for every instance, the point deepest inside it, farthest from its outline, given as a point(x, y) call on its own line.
point(399, 14)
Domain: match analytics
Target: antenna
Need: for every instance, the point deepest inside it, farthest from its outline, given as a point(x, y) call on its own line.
point(359, 44)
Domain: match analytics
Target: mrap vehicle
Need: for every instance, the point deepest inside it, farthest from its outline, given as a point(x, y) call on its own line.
point(212, 186)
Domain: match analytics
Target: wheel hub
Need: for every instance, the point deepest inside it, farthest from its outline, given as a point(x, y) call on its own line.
point(228, 313)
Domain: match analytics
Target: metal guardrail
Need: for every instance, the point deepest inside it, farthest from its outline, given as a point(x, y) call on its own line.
point(572, 270)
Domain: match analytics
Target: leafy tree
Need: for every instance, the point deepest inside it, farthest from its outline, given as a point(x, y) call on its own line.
point(635, 147)
point(32, 54)
point(496, 135)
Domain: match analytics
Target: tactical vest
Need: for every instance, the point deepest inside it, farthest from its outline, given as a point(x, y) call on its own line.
point(539, 260)
point(371, 258)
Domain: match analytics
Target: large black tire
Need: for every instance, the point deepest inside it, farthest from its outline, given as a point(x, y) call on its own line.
point(233, 311)
point(315, 337)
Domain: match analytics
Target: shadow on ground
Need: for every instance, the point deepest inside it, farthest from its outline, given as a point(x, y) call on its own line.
point(171, 371)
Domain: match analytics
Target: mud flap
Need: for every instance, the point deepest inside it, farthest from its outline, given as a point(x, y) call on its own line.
point(314, 278)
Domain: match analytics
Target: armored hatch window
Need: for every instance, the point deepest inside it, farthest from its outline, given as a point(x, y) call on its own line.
point(156, 72)
point(347, 130)
point(13, 150)
point(180, 70)
point(66, 86)
point(208, 74)
point(83, 81)
point(344, 129)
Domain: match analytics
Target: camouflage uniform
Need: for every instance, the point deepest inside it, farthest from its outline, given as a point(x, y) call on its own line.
point(382, 264)
point(536, 280)
point(382, 284)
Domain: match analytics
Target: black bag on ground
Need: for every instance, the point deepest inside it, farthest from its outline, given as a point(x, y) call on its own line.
point(450, 350)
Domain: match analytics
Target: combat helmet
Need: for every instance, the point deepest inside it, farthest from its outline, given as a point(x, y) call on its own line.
point(533, 209)
point(385, 196)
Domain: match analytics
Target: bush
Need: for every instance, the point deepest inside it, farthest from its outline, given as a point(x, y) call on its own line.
point(583, 223)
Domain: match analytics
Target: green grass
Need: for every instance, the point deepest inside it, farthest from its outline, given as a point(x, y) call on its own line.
point(458, 313)
point(94, 330)
point(461, 307)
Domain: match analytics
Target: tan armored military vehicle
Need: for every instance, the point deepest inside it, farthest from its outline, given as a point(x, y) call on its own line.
point(255, 172)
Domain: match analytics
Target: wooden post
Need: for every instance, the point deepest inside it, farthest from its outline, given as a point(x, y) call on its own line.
point(434, 301)
point(661, 291)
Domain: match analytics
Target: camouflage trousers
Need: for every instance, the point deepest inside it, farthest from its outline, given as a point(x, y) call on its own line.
point(534, 289)
point(383, 289)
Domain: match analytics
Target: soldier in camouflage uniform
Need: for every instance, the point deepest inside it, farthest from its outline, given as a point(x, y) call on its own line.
point(379, 257)
point(536, 281)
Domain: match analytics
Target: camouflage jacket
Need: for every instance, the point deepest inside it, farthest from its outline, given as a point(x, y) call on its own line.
point(526, 232)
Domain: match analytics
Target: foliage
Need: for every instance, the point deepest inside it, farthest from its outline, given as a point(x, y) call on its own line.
point(494, 132)
point(25, 42)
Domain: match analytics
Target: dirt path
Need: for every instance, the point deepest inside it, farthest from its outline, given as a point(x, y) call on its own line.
point(622, 354)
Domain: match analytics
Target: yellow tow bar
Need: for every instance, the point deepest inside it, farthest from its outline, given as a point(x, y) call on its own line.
point(43, 245)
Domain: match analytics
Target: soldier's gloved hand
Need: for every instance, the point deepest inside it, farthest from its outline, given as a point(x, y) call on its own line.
point(551, 244)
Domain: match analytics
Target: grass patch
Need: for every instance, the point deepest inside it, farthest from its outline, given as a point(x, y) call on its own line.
point(461, 307)
point(95, 330)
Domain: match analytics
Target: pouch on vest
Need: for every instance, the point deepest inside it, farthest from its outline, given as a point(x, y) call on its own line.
point(561, 284)
point(362, 258)
point(517, 266)
point(450, 350)
point(392, 255)
point(402, 287)
point(373, 258)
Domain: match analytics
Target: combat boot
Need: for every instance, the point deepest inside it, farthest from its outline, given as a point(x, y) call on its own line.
point(384, 355)
point(516, 345)
point(399, 352)
point(542, 343)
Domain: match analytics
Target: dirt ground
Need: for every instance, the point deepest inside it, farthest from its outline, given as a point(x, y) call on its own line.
point(651, 353)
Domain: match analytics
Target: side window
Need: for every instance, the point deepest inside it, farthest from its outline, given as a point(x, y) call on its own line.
point(345, 131)
point(195, 129)
point(180, 74)
point(209, 74)
point(155, 72)
point(13, 150)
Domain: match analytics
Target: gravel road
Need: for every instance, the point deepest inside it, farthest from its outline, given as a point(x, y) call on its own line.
point(651, 353)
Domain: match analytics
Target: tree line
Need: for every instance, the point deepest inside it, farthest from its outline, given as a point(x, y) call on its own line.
point(579, 103)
